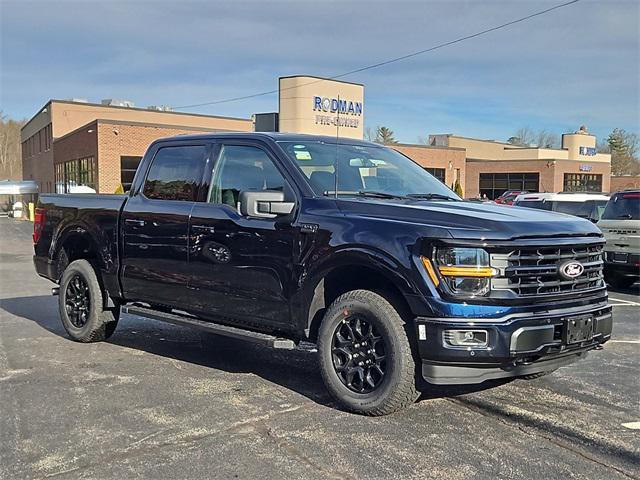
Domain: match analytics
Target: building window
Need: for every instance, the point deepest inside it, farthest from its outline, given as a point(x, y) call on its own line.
point(495, 184)
point(128, 167)
point(80, 172)
point(47, 138)
point(582, 182)
point(439, 173)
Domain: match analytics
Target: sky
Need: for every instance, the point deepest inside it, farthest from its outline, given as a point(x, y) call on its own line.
point(577, 65)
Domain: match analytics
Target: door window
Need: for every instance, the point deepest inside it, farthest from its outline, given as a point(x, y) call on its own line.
point(243, 168)
point(175, 173)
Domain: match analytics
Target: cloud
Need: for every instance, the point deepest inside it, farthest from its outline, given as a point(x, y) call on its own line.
point(575, 65)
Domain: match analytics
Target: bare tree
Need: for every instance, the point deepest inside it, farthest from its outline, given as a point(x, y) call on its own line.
point(544, 139)
point(369, 134)
point(527, 137)
point(10, 148)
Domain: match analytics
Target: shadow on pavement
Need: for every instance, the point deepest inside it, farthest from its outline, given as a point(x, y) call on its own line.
point(295, 370)
point(633, 290)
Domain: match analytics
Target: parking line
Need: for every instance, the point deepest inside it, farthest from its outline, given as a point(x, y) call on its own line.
point(632, 425)
point(623, 302)
point(624, 341)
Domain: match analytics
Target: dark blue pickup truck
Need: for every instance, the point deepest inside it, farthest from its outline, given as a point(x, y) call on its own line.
point(280, 238)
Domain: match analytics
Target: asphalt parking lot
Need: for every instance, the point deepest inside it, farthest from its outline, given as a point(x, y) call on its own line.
point(157, 401)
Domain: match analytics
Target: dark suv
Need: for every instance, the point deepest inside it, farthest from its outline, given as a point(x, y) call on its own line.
point(280, 238)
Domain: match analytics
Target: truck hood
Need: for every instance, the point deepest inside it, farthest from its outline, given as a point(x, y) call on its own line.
point(470, 220)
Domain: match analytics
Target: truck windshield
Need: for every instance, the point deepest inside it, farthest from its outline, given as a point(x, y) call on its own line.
point(623, 206)
point(364, 170)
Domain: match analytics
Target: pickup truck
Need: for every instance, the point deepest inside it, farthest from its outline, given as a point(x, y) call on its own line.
point(280, 238)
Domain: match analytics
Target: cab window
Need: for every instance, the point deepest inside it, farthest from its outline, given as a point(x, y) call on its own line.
point(243, 168)
point(175, 173)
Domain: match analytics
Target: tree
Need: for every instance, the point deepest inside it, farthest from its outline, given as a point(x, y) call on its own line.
point(526, 137)
point(623, 147)
point(369, 134)
point(10, 148)
point(384, 136)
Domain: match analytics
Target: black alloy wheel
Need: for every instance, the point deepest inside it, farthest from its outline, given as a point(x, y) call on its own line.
point(359, 354)
point(78, 301)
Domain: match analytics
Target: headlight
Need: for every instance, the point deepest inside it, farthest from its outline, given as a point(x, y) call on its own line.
point(466, 272)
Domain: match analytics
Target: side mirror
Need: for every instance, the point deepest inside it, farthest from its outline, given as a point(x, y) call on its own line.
point(265, 204)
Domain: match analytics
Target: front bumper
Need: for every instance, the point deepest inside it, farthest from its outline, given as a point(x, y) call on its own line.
point(628, 267)
point(518, 344)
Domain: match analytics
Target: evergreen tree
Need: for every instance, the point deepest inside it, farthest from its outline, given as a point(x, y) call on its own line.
point(623, 147)
point(384, 136)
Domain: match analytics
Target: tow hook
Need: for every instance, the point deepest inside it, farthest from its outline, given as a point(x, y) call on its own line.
point(55, 291)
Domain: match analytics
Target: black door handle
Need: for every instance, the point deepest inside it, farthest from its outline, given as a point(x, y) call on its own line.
point(133, 221)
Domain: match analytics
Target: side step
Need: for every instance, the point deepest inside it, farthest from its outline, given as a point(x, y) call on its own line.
point(225, 330)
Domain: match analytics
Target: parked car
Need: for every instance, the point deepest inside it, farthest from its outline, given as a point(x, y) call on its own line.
point(280, 238)
point(584, 205)
point(620, 224)
point(508, 197)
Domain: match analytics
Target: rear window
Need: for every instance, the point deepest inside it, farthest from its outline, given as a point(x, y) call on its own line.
point(623, 206)
point(580, 209)
point(588, 209)
point(539, 204)
point(175, 173)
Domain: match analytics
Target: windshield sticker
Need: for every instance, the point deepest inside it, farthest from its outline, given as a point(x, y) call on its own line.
point(302, 155)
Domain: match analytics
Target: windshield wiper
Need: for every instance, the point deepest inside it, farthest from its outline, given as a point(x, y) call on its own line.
point(376, 194)
point(364, 193)
point(432, 196)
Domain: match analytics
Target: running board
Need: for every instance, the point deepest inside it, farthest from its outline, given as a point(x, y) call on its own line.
point(225, 330)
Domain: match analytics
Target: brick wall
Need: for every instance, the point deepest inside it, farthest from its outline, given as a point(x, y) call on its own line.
point(624, 182)
point(475, 168)
point(551, 172)
point(82, 143)
point(437, 157)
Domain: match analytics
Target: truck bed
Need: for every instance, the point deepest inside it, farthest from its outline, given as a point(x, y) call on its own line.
point(84, 216)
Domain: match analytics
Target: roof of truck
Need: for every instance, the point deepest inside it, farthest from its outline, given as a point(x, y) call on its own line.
point(275, 136)
point(561, 197)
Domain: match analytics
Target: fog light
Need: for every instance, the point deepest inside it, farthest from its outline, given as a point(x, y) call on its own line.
point(466, 338)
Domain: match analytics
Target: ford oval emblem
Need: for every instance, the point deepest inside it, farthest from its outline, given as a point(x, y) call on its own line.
point(571, 269)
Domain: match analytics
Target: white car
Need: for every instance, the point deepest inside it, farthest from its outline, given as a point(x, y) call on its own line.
point(620, 224)
point(585, 205)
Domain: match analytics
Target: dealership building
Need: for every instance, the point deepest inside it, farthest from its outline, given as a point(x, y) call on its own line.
point(74, 142)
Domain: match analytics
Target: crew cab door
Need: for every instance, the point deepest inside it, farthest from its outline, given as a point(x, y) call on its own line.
point(241, 267)
point(155, 225)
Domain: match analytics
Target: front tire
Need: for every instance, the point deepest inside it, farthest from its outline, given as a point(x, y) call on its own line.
point(80, 302)
point(366, 360)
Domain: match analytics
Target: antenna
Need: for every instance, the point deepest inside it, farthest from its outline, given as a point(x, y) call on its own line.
point(335, 161)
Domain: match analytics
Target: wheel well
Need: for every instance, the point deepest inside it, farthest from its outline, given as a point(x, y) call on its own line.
point(352, 277)
point(75, 247)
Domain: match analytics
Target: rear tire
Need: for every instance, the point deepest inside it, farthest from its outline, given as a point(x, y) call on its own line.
point(366, 360)
point(81, 305)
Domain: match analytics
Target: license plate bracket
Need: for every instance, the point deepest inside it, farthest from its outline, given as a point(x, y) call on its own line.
point(619, 257)
point(578, 329)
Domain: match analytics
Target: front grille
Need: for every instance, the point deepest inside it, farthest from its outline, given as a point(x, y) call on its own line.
point(534, 271)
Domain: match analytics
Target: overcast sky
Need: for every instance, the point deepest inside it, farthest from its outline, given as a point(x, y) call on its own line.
point(576, 65)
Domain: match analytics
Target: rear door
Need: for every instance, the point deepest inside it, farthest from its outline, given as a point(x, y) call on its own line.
point(241, 267)
point(155, 225)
